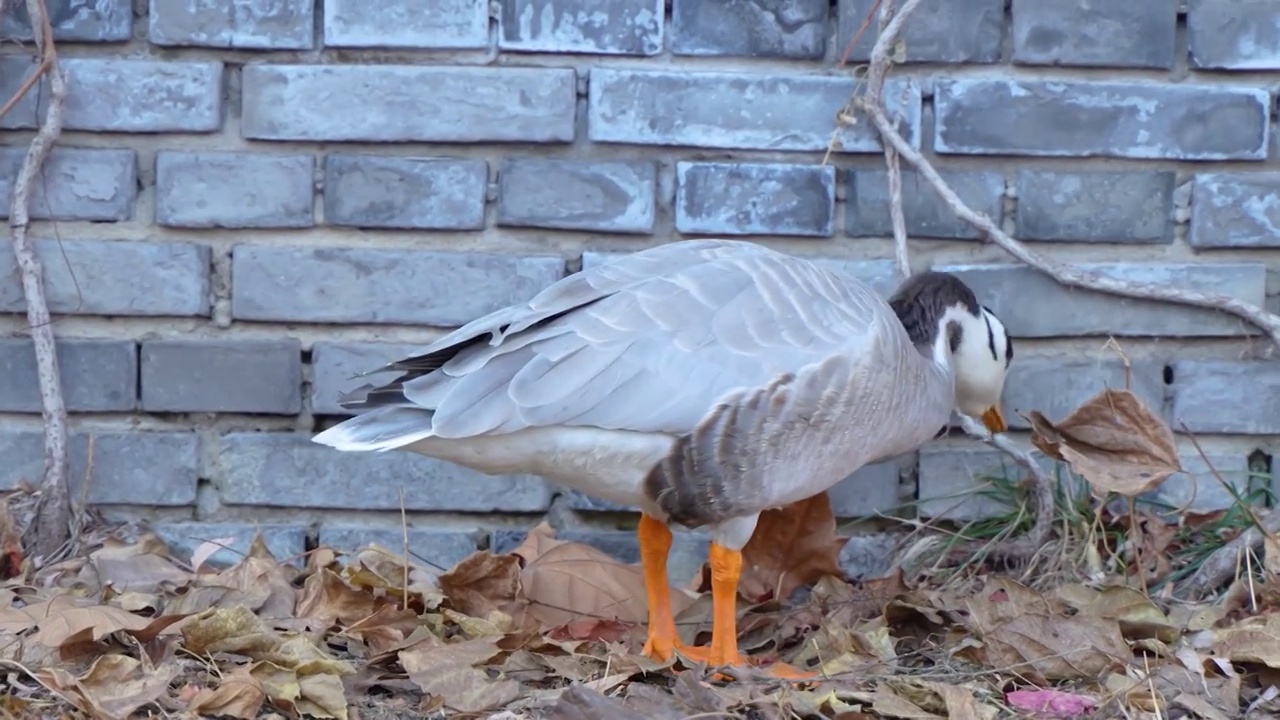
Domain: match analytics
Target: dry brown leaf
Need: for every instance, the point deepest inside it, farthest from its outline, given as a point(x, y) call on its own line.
point(385, 629)
point(377, 568)
point(582, 703)
point(239, 695)
point(572, 581)
point(960, 702)
point(1043, 647)
point(144, 566)
point(483, 582)
point(64, 621)
point(1112, 440)
point(1138, 616)
point(327, 597)
point(793, 546)
point(319, 695)
point(447, 671)
point(536, 542)
point(112, 688)
point(1252, 640)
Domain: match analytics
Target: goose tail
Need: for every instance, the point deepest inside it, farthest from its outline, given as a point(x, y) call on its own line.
point(381, 429)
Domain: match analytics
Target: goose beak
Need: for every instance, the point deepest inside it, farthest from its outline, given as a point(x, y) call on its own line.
point(994, 420)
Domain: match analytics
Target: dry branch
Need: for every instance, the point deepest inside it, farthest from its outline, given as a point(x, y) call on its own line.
point(52, 527)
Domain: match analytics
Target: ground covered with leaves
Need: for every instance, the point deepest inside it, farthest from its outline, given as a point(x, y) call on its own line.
point(1089, 628)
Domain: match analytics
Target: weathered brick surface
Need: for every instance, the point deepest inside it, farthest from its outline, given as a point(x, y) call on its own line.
point(396, 103)
point(630, 27)
point(688, 549)
point(141, 96)
point(155, 469)
point(252, 25)
point(946, 31)
point(926, 215)
point(750, 28)
point(234, 376)
point(97, 375)
point(1057, 385)
point(14, 72)
point(438, 550)
point(1083, 119)
point(1098, 206)
point(1233, 34)
point(234, 190)
point(378, 191)
point(1197, 489)
point(450, 24)
point(285, 541)
point(1097, 33)
point(571, 195)
point(755, 199)
point(77, 184)
point(745, 111)
point(288, 470)
point(1235, 210)
point(1227, 396)
point(1032, 305)
point(84, 277)
point(334, 365)
point(91, 21)
point(381, 286)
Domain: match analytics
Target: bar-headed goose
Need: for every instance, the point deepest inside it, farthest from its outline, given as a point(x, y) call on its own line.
point(703, 381)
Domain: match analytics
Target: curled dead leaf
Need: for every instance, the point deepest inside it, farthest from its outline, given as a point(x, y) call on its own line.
point(1112, 440)
point(446, 670)
point(792, 547)
point(239, 695)
point(112, 688)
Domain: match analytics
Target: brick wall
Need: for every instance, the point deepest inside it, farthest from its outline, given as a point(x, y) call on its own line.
point(253, 200)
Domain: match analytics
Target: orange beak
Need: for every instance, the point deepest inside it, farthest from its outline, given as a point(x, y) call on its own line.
point(994, 420)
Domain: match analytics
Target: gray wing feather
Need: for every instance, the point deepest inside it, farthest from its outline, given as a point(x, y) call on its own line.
point(649, 342)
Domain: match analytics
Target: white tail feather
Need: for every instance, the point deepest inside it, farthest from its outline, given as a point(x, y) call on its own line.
point(378, 430)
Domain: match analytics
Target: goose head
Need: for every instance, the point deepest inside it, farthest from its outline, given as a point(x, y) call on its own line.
point(946, 322)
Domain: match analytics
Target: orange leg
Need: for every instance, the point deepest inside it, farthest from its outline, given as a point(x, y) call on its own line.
point(726, 569)
point(655, 545)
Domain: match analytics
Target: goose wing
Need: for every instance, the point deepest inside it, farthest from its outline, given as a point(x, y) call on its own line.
point(649, 342)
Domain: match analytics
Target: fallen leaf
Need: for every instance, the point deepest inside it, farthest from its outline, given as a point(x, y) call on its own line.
point(208, 549)
point(1113, 441)
point(793, 546)
point(328, 598)
point(239, 695)
point(960, 702)
point(1252, 640)
point(113, 687)
point(447, 671)
point(1137, 614)
point(64, 621)
point(377, 568)
point(1051, 703)
point(582, 703)
point(572, 581)
point(482, 582)
point(144, 566)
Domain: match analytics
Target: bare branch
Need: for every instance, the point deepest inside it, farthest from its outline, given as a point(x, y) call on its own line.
point(52, 526)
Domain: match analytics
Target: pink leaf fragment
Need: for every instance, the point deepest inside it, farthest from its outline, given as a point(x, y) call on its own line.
point(1052, 703)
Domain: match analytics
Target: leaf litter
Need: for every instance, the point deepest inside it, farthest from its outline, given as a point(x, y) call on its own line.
point(553, 629)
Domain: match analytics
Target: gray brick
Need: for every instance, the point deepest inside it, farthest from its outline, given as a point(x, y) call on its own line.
point(1032, 304)
point(755, 199)
point(949, 31)
point(284, 540)
point(287, 470)
point(630, 27)
point(867, 203)
point(421, 193)
point(688, 550)
point(1127, 207)
point(334, 366)
point(870, 490)
point(572, 195)
point(956, 483)
point(438, 549)
point(1057, 385)
point(142, 96)
point(76, 184)
point(234, 190)
point(449, 24)
point(157, 469)
point(344, 285)
point(1223, 396)
point(1235, 210)
point(245, 24)
point(1198, 489)
point(750, 28)
point(73, 21)
point(1234, 34)
point(85, 277)
point(14, 71)
point(97, 375)
point(1097, 33)
point(408, 103)
point(736, 111)
point(247, 376)
point(1087, 119)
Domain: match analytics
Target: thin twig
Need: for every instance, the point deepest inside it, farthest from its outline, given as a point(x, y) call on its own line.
point(875, 89)
point(52, 526)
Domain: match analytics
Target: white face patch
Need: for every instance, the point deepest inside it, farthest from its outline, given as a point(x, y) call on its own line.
point(980, 362)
